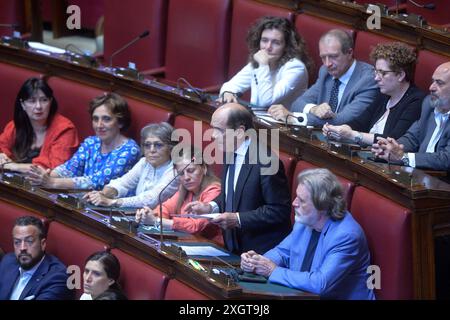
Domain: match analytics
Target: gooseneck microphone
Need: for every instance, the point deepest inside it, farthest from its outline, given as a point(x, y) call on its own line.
point(200, 94)
point(142, 35)
point(430, 6)
point(237, 95)
point(300, 119)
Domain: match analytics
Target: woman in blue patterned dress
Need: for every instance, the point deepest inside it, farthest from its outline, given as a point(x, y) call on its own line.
point(100, 158)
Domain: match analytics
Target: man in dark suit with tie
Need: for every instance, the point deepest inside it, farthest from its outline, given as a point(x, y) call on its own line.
point(343, 90)
point(30, 273)
point(254, 202)
point(427, 142)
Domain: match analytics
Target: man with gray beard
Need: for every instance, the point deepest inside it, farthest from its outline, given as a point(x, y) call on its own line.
point(427, 142)
point(327, 252)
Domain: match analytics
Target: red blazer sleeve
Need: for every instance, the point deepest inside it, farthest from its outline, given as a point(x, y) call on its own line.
point(168, 206)
point(196, 225)
point(61, 141)
point(7, 139)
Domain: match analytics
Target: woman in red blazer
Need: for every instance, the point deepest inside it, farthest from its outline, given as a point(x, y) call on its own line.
point(38, 134)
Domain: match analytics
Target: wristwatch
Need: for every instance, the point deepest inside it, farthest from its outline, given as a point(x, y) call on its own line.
point(358, 139)
point(405, 160)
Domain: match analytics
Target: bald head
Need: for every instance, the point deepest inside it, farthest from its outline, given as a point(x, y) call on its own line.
point(444, 68)
point(342, 37)
point(229, 107)
point(440, 88)
point(230, 122)
point(234, 115)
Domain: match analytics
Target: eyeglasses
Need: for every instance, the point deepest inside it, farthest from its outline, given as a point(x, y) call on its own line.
point(31, 102)
point(157, 145)
point(381, 73)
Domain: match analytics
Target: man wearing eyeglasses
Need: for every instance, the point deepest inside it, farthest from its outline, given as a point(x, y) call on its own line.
point(427, 142)
point(29, 273)
point(343, 90)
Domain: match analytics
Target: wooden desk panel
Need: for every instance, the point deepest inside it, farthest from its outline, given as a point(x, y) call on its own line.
point(426, 196)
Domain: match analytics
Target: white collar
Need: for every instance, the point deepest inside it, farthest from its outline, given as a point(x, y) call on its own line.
point(345, 78)
point(242, 150)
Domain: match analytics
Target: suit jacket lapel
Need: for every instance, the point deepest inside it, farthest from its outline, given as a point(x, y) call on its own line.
point(429, 129)
point(443, 139)
point(9, 280)
point(328, 86)
point(243, 175)
point(349, 87)
point(35, 279)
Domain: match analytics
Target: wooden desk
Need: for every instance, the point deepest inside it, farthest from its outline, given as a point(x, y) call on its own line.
point(98, 226)
point(427, 197)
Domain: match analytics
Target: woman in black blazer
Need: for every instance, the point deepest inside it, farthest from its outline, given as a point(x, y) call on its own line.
point(397, 105)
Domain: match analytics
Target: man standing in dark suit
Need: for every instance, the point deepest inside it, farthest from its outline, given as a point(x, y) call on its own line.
point(427, 142)
point(343, 90)
point(29, 273)
point(254, 204)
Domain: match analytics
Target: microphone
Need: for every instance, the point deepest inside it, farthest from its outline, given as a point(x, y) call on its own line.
point(142, 35)
point(132, 225)
point(82, 57)
point(300, 119)
point(160, 200)
point(430, 6)
point(15, 40)
point(191, 89)
point(237, 95)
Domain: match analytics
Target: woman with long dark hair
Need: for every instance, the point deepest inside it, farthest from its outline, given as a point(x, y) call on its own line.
point(38, 134)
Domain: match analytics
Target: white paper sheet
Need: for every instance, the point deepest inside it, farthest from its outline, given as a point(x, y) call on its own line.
point(204, 251)
point(43, 47)
point(208, 216)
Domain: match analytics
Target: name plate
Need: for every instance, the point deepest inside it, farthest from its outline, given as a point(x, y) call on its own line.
point(70, 200)
point(344, 149)
point(14, 179)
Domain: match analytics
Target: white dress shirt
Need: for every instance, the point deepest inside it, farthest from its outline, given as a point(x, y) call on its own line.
point(440, 119)
point(280, 86)
point(240, 158)
point(22, 281)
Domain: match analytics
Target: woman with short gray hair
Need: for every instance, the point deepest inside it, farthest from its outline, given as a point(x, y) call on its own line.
point(142, 185)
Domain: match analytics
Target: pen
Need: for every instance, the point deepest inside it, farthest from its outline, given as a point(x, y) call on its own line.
point(196, 265)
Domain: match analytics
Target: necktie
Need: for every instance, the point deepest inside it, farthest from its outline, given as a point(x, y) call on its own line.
point(309, 255)
point(229, 235)
point(334, 95)
point(230, 186)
